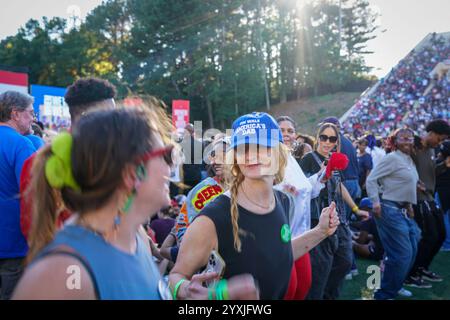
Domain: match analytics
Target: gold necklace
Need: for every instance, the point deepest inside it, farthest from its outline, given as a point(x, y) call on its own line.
point(256, 204)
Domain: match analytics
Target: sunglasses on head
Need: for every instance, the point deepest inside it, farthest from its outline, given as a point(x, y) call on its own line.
point(324, 137)
point(406, 139)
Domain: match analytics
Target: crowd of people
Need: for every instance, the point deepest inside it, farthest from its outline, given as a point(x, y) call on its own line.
point(265, 214)
point(402, 98)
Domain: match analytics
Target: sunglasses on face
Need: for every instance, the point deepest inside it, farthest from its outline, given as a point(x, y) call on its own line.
point(324, 137)
point(167, 152)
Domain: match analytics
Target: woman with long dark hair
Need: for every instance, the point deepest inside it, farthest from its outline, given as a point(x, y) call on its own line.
point(331, 260)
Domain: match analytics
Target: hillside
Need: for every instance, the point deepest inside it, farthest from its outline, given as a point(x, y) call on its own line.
point(308, 112)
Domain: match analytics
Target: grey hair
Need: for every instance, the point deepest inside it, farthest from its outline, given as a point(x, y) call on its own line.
point(13, 100)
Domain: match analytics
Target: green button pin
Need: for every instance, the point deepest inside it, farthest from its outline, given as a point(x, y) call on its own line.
point(285, 233)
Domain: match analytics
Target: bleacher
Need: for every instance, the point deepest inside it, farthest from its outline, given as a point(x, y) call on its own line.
point(414, 92)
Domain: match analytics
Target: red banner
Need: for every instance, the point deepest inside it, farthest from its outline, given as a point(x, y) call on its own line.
point(13, 81)
point(14, 78)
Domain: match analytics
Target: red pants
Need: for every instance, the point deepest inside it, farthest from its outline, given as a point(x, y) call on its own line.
point(300, 281)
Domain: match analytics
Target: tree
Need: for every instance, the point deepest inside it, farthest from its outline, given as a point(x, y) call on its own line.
point(227, 57)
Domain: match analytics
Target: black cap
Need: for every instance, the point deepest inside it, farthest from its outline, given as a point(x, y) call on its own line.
point(438, 126)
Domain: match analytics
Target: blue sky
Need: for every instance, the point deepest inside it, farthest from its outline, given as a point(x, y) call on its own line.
point(406, 21)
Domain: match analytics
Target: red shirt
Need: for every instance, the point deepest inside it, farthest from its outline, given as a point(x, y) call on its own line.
point(26, 203)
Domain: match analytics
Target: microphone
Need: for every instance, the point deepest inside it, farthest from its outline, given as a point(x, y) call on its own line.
point(337, 162)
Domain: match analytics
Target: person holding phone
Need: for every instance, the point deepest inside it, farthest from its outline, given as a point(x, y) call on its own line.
point(332, 259)
point(254, 239)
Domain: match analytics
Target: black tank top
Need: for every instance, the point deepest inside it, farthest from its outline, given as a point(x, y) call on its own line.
point(266, 253)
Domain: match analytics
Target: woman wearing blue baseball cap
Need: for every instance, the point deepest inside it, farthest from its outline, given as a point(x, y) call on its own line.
point(249, 224)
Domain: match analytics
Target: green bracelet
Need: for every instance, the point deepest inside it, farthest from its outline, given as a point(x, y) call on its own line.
point(225, 290)
point(222, 290)
point(177, 286)
point(210, 293)
point(219, 291)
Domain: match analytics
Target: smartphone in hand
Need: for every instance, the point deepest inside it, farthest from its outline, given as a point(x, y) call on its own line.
point(215, 264)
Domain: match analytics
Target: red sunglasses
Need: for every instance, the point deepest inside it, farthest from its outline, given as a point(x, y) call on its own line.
point(165, 152)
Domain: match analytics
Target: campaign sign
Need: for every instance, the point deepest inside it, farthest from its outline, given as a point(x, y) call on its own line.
point(50, 107)
point(180, 113)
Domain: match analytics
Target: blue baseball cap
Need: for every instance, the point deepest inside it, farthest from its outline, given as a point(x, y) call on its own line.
point(366, 203)
point(256, 128)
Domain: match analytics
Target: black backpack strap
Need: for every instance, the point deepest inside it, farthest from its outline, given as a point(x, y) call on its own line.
point(319, 162)
point(67, 251)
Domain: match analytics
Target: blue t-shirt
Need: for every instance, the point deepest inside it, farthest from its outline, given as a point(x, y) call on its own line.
point(37, 142)
point(364, 164)
point(351, 173)
point(118, 275)
point(14, 150)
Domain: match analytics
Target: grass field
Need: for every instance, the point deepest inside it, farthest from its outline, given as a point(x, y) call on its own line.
point(357, 288)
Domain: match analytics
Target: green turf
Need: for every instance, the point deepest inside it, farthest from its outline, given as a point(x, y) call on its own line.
point(357, 287)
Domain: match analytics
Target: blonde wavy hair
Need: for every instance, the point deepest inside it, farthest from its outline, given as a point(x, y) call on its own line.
point(234, 178)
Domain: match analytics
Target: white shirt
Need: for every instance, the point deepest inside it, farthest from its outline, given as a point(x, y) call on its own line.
point(306, 189)
point(377, 154)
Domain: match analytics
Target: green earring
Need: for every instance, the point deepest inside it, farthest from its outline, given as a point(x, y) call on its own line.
point(141, 174)
point(128, 203)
